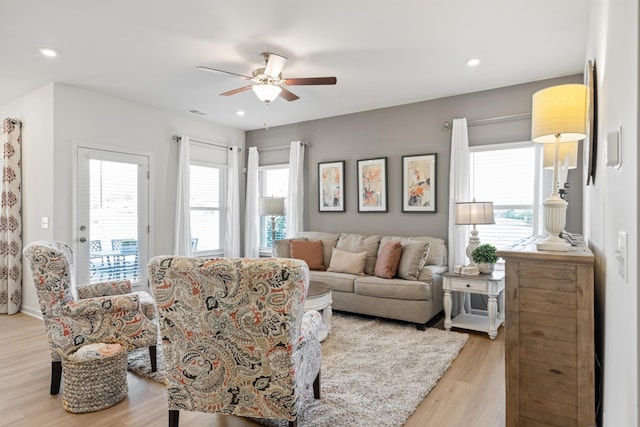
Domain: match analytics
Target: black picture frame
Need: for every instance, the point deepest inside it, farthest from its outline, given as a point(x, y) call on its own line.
point(372, 185)
point(331, 186)
point(419, 183)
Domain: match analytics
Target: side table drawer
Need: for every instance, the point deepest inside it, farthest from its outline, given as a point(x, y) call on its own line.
point(468, 285)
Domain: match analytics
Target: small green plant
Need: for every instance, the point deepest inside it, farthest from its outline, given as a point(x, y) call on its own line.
point(485, 253)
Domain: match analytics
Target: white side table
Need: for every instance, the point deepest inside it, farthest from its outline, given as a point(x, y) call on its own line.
point(319, 299)
point(491, 285)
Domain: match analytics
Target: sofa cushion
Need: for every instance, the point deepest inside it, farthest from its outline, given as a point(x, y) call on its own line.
point(341, 282)
point(329, 241)
point(387, 260)
point(392, 288)
point(281, 247)
point(347, 262)
point(308, 251)
point(359, 243)
point(412, 252)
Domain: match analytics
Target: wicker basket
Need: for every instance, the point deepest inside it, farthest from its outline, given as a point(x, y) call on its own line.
point(93, 384)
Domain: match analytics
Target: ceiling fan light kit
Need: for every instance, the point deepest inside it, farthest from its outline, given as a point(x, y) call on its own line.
point(266, 92)
point(269, 83)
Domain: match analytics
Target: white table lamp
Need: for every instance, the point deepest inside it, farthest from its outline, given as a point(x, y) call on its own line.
point(272, 207)
point(473, 213)
point(559, 114)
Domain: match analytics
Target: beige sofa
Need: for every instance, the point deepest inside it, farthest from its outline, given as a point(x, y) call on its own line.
point(412, 300)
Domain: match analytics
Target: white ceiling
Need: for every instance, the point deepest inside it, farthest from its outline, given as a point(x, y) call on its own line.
point(382, 53)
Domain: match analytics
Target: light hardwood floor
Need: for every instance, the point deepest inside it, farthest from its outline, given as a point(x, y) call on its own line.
point(471, 392)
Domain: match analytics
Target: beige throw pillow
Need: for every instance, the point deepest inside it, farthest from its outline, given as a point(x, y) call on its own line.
point(347, 262)
point(413, 252)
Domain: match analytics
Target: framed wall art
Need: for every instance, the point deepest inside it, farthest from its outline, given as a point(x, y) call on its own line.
point(331, 186)
point(372, 185)
point(419, 183)
point(590, 144)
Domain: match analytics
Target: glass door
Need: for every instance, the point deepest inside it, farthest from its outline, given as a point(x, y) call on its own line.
point(112, 224)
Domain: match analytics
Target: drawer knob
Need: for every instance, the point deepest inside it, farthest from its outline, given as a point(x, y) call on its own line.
point(468, 285)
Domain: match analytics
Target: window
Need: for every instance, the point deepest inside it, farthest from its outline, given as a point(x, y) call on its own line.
point(207, 205)
point(505, 174)
point(274, 181)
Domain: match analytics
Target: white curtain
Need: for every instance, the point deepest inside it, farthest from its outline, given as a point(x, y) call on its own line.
point(182, 242)
point(11, 219)
point(458, 192)
point(232, 229)
point(295, 199)
point(251, 215)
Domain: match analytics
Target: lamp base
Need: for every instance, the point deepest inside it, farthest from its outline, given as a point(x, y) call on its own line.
point(555, 218)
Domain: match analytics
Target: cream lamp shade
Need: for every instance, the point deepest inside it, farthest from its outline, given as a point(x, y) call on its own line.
point(472, 213)
point(266, 92)
point(567, 153)
point(559, 114)
point(271, 206)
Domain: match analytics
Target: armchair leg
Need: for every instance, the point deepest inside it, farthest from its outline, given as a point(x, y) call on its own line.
point(153, 357)
point(316, 386)
point(293, 423)
point(56, 375)
point(174, 417)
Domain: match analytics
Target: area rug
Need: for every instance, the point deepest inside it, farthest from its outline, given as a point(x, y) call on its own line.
point(374, 372)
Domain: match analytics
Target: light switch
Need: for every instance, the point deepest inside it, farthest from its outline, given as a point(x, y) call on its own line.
point(45, 222)
point(621, 254)
point(612, 149)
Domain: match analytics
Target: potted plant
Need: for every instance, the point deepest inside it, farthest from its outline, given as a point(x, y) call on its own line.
point(485, 256)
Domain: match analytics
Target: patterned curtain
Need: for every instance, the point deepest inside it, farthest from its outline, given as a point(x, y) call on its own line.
point(11, 219)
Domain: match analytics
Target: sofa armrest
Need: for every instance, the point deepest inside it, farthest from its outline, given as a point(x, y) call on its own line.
point(102, 289)
point(102, 305)
point(432, 273)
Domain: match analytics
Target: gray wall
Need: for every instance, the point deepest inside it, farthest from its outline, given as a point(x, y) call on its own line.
point(405, 130)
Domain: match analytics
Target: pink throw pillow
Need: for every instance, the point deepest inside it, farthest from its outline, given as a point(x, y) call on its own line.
point(308, 251)
point(388, 260)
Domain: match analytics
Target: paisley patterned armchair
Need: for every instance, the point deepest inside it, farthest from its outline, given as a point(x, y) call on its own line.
point(235, 337)
point(87, 314)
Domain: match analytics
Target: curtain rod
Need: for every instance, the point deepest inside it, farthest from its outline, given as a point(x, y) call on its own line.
point(282, 147)
point(215, 144)
point(447, 125)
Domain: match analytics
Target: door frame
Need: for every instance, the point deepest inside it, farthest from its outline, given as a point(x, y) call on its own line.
point(75, 235)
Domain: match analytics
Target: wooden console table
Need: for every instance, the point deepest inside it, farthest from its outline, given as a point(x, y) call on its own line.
point(549, 340)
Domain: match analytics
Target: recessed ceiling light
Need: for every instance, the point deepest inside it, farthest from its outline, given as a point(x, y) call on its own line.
point(48, 52)
point(240, 113)
point(473, 62)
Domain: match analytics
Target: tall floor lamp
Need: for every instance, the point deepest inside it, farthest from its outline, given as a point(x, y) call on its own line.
point(272, 207)
point(559, 114)
point(473, 213)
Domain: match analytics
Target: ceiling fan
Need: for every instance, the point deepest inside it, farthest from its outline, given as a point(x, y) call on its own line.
point(268, 81)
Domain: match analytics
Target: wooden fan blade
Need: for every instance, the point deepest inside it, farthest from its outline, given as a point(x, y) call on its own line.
point(310, 81)
point(288, 95)
point(274, 65)
point(239, 90)
point(215, 70)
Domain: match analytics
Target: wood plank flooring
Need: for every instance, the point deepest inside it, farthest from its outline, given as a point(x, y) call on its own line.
point(471, 393)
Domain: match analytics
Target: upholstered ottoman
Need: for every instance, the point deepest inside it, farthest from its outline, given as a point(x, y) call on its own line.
point(92, 384)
